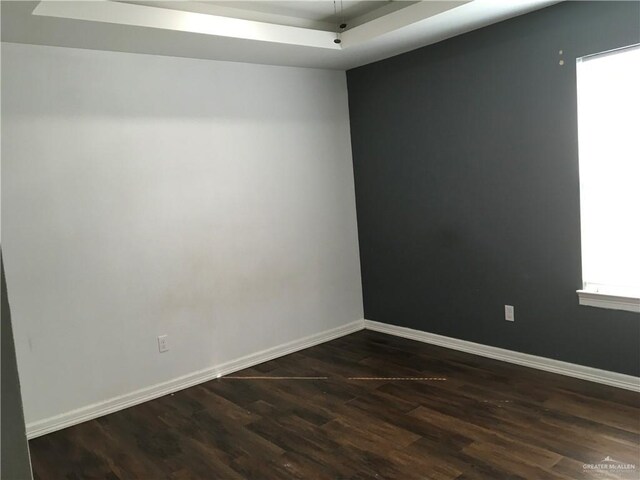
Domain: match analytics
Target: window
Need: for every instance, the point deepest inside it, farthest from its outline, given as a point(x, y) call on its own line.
point(609, 139)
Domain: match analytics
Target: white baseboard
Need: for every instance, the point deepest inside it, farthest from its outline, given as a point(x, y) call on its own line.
point(605, 377)
point(67, 419)
point(58, 422)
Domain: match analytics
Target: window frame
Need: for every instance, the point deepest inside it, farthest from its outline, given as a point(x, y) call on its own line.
point(590, 295)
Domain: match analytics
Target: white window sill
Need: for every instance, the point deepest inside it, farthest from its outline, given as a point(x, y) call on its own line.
point(615, 302)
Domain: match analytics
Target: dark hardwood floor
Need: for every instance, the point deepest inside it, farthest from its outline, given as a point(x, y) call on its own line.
point(486, 420)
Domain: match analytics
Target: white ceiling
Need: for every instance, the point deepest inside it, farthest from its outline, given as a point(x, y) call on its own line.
point(314, 14)
point(328, 11)
point(325, 14)
point(296, 33)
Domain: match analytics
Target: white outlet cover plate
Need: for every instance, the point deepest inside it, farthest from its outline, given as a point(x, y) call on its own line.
point(509, 313)
point(163, 343)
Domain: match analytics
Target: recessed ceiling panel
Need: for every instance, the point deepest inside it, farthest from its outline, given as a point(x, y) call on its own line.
point(317, 14)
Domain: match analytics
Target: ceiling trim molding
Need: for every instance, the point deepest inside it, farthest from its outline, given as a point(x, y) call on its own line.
point(108, 11)
point(396, 20)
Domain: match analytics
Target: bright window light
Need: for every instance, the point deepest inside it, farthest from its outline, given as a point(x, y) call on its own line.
point(609, 139)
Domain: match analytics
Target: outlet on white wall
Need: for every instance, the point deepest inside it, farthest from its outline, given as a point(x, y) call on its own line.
point(509, 313)
point(163, 343)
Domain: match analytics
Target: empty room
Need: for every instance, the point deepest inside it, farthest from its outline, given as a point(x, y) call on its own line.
point(318, 239)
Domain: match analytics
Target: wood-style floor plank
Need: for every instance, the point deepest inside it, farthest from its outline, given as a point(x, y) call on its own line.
point(382, 412)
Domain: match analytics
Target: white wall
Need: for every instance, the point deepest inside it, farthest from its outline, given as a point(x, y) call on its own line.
point(146, 195)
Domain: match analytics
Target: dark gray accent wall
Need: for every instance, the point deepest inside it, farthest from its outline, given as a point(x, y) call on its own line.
point(466, 167)
point(14, 457)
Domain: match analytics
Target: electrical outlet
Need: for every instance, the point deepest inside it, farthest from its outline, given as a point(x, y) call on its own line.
point(509, 314)
point(163, 343)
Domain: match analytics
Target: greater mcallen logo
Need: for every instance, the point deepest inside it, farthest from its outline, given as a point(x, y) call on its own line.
point(609, 464)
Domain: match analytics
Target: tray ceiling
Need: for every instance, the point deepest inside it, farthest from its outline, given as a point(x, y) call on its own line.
point(296, 33)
